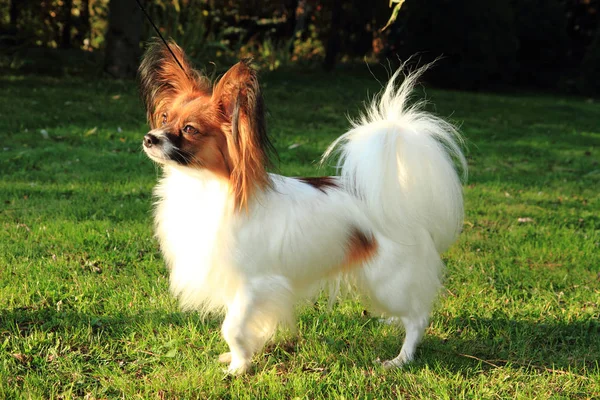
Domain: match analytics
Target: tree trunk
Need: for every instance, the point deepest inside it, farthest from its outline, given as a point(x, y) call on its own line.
point(291, 7)
point(84, 26)
point(334, 41)
point(14, 13)
point(125, 20)
point(589, 79)
point(65, 35)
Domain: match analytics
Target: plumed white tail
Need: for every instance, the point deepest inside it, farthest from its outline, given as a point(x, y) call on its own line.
point(402, 161)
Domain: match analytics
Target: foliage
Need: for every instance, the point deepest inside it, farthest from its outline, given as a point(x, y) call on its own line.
point(543, 42)
point(309, 49)
point(188, 24)
point(35, 42)
point(86, 311)
point(476, 40)
point(483, 44)
point(589, 81)
point(395, 10)
point(41, 23)
point(272, 55)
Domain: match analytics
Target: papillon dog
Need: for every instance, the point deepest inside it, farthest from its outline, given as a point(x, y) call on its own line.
point(241, 240)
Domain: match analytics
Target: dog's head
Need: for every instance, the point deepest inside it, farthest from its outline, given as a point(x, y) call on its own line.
point(197, 125)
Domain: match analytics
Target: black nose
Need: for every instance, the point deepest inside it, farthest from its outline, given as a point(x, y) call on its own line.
point(150, 140)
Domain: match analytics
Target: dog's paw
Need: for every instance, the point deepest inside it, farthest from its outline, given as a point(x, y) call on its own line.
point(239, 367)
point(225, 358)
point(394, 363)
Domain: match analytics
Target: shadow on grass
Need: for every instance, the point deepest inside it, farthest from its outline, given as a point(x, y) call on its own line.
point(479, 344)
point(24, 319)
point(484, 344)
point(497, 342)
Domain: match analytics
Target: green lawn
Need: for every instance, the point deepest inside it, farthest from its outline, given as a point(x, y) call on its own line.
point(85, 310)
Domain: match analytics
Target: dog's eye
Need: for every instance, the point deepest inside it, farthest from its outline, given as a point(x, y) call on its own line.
point(190, 130)
point(164, 118)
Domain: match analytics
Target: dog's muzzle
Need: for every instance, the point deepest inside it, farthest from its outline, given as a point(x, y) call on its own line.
point(150, 140)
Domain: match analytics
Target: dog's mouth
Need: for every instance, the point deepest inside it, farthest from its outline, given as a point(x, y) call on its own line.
point(155, 156)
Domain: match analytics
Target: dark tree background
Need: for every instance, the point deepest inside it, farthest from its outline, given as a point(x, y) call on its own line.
point(123, 38)
point(551, 44)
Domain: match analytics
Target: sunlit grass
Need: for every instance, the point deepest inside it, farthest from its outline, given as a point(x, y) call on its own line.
point(85, 308)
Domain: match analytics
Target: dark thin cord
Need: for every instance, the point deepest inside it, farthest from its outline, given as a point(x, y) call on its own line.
point(159, 34)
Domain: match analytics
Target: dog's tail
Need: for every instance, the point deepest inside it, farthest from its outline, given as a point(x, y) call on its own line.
point(404, 163)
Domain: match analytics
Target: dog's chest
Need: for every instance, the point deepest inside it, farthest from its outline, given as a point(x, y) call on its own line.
point(189, 218)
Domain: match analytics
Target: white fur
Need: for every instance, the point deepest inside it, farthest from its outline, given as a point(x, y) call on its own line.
point(397, 183)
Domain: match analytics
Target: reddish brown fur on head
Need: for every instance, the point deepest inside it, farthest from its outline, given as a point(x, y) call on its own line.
point(221, 129)
point(162, 80)
point(240, 101)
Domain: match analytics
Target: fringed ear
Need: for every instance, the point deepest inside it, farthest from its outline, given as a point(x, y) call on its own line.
point(240, 101)
point(162, 79)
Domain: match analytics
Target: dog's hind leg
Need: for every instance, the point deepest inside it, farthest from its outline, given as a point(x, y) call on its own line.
point(402, 283)
point(414, 328)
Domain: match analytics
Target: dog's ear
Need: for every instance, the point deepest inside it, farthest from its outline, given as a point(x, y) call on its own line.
point(162, 79)
point(239, 100)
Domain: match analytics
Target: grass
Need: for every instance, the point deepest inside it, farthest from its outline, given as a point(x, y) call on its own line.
point(85, 310)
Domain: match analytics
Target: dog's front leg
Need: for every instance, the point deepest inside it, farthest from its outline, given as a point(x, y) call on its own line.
point(238, 336)
point(252, 318)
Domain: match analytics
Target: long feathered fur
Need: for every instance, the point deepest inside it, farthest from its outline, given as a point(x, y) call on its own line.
point(415, 181)
point(162, 79)
point(381, 225)
point(238, 95)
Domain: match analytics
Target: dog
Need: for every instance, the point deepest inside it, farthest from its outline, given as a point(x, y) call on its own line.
point(241, 240)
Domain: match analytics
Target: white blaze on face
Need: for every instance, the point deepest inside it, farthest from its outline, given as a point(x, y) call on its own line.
point(161, 151)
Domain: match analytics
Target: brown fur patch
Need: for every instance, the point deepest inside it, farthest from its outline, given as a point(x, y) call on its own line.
point(229, 118)
point(320, 182)
point(162, 80)
point(361, 247)
point(239, 98)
